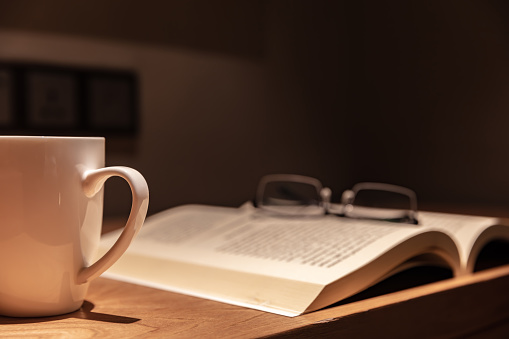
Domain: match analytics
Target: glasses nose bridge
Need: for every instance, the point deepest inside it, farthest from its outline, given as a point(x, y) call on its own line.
point(347, 197)
point(325, 195)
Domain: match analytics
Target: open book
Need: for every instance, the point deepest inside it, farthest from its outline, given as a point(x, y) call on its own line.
point(290, 266)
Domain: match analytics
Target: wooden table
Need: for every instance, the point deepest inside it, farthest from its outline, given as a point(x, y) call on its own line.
point(475, 306)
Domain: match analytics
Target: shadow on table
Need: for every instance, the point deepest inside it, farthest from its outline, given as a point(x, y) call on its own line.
point(85, 312)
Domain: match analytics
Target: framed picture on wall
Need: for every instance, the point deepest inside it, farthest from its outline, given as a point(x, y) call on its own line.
point(6, 97)
point(112, 102)
point(51, 99)
point(68, 100)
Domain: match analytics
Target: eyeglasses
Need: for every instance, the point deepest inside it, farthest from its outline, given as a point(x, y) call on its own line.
point(297, 195)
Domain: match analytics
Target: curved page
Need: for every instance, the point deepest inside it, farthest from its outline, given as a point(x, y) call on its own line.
point(238, 256)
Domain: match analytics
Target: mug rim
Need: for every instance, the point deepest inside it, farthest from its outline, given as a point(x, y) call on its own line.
point(42, 137)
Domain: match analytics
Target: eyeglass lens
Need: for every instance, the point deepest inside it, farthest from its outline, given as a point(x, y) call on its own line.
point(291, 197)
point(381, 204)
point(381, 199)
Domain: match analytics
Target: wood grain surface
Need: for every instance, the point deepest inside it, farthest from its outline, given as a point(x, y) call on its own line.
point(475, 306)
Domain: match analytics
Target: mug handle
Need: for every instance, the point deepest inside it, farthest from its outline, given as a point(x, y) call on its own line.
point(92, 182)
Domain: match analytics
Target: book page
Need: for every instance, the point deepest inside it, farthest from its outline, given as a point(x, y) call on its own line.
point(280, 265)
point(464, 229)
point(315, 249)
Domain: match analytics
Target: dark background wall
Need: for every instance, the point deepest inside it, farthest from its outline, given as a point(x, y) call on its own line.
point(405, 92)
point(428, 100)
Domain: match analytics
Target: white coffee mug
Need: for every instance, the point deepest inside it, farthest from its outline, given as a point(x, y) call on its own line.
point(51, 205)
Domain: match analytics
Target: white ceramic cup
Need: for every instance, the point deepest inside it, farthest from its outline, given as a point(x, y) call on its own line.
point(51, 204)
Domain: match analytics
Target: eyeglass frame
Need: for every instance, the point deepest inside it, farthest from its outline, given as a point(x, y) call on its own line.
point(347, 197)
